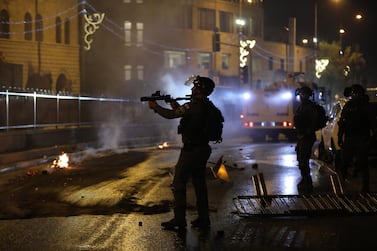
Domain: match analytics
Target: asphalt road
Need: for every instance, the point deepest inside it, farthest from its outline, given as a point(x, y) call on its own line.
point(117, 200)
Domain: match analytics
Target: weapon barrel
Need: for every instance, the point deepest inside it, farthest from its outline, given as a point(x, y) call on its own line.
point(166, 98)
point(151, 98)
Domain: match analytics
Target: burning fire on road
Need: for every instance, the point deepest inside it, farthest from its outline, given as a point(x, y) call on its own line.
point(61, 162)
point(163, 145)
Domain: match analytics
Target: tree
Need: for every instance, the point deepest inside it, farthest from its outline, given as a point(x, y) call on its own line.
point(345, 67)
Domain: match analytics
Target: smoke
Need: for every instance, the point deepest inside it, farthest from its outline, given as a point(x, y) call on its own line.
point(176, 88)
point(110, 135)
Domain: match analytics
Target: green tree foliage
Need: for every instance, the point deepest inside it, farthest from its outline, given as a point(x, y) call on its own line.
point(345, 67)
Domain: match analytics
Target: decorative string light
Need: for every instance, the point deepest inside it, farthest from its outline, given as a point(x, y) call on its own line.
point(320, 66)
point(244, 50)
point(118, 32)
point(91, 25)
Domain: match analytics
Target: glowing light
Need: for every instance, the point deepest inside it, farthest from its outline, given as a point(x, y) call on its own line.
point(61, 162)
point(286, 95)
point(346, 70)
point(246, 96)
point(240, 22)
point(163, 145)
point(91, 25)
point(320, 66)
point(244, 52)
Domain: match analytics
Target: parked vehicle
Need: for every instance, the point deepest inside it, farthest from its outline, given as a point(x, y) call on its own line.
point(328, 149)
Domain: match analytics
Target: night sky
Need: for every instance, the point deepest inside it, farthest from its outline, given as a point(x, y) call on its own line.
point(331, 15)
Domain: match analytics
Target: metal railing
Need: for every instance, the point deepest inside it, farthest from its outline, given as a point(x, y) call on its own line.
point(23, 109)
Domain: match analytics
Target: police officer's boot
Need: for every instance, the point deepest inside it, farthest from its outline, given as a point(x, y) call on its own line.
point(306, 184)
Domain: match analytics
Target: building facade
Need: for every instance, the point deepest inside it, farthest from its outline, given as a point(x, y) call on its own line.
point(39, 45)
point(139, 46)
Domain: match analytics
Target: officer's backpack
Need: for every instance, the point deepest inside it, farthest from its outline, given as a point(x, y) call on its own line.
point(214, 123)
point(321, 117)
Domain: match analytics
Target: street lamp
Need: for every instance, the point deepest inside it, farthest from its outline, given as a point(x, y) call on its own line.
point(341, 33)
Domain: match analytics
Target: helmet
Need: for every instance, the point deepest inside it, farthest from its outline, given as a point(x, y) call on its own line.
point(347, 92)
point(205, 84)
point(305, 90)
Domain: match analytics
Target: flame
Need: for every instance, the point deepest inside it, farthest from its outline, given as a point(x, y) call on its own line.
point(163, 145)
point(61, 162)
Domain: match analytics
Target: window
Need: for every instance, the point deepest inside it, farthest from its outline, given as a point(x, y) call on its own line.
point(4, 24)
point(139, 34)
point(226, 21)
point(39, 28)
point(140, 72)
point(28, 34)
point(67, 31)
point(58, 30)
point(207, 19)
point(204, 60)
point(127, 33)
point(174, 59)
point(270, 63)
point(225, 61)
point(282, 64)
point(127, 72)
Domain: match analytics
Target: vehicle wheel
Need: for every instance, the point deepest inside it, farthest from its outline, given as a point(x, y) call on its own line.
point(274, 137)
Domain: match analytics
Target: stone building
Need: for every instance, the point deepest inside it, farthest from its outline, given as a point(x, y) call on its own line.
point(39, 45)
point(139, 46)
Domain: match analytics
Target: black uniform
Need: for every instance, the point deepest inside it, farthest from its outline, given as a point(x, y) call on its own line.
point(194, 153)
point(353, 136)
point(304, 121)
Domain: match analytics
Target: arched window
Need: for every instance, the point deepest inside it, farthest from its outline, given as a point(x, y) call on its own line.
point(4, 24)
point(66, 31)
point(58, 28)
point(28, 26)
point(38, 28)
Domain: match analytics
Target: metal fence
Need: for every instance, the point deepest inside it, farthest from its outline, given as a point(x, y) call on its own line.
point(22, 109)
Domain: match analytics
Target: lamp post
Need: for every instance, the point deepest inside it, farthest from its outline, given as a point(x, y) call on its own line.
point(315, 38)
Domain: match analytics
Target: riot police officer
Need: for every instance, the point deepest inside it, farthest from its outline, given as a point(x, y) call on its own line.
point(304, 122)
point(354, 132)
point(193, 155)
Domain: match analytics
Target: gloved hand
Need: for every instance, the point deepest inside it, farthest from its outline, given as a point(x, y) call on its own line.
point(152, 104)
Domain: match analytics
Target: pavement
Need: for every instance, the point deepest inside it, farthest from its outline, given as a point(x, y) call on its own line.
point(260, 221)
